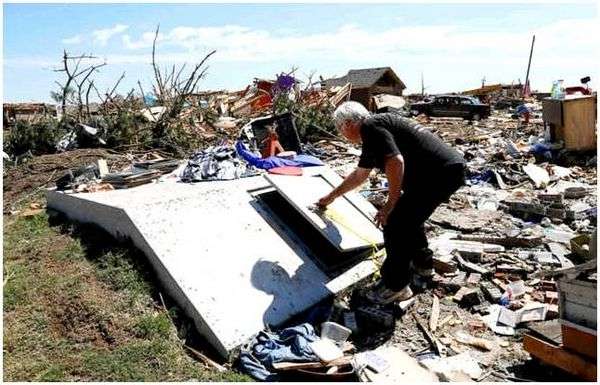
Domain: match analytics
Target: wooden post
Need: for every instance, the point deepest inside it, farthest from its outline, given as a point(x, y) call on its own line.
point(526, 87)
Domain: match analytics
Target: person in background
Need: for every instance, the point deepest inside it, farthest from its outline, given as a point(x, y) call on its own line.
point(524, 112)
point(422, 172)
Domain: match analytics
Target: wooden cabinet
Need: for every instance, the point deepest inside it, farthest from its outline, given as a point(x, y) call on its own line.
point(572, 121)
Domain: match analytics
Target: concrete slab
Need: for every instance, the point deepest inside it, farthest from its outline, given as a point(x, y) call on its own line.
point(344, 225)
point(215, 252)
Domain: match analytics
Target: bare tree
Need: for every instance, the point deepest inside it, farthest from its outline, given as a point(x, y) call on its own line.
point(172, 90)
point(71, 67)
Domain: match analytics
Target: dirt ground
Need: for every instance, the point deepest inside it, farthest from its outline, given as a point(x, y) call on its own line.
point(29, 178)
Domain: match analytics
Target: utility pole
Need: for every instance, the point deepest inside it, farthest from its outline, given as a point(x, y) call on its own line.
point(526, 87)
point(422, 86)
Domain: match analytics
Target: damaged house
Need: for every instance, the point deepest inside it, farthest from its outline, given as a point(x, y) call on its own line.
point(368, 82)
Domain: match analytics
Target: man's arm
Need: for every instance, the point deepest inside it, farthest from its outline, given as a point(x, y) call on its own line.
point(394, 170)
point(352, 181)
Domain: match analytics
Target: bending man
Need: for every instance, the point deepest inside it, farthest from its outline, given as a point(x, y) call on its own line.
point(422, 172)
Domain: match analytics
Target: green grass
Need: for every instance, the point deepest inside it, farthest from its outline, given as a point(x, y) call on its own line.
point(78, 307)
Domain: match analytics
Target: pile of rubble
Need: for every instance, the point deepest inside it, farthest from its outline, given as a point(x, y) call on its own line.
point(497, 243)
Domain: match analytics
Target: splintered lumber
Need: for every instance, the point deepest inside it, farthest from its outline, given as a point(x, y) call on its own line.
point(560, 358)
point(283, 366)
point(430, 337)
point(435, 313)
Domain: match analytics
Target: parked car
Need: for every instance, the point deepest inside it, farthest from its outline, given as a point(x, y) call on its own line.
point(454, 106)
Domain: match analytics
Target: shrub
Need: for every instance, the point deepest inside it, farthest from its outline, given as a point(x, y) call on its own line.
point(39, 137)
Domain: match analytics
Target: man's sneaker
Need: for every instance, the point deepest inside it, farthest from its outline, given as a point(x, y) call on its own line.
point(382, 295)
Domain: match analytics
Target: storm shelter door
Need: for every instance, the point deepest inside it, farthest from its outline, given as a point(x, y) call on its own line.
point(344, 225)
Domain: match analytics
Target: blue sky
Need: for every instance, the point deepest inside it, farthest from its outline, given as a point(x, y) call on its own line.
point(455, 46)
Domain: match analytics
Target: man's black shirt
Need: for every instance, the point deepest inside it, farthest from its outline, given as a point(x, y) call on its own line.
point(425, 155)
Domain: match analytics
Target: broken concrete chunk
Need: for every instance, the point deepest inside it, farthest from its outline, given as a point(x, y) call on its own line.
point(560, 236)
point(467, 249)
point(492, 293)
point(526, 207)
point(538, 175)
point(491, 321)
point(557, 249)
point(543, 257)
point(449, 368)
point(472, 267)
point(550, 197)
point(467, 296)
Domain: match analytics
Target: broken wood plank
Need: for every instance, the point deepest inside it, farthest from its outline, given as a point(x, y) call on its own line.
point(435, 343)
point(560, 358)
point(579, 339)
point(206, 360)
point(283, 366)
point(435, 313)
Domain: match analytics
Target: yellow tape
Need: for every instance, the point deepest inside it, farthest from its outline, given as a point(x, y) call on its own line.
point(334, 216)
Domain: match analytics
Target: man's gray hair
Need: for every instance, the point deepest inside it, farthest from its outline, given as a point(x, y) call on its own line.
point(349, 111)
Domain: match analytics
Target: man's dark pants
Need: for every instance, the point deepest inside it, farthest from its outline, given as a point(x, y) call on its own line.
point(404, 233)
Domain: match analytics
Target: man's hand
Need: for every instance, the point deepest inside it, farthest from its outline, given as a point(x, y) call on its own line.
point(382, 216)
point(325, 201)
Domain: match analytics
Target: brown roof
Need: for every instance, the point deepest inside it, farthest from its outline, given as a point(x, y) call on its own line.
point(363, 78)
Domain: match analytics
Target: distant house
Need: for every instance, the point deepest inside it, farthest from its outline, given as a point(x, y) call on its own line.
point(12, 112)
point(367, 83)
point(497, 90)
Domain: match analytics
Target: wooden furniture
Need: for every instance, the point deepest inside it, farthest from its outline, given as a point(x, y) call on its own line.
point(572, 120)
point(560, 357)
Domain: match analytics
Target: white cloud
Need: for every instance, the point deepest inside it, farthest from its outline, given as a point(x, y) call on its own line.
point(237, 43)
point(452, 57)
point(102, 36)
point(77, 39)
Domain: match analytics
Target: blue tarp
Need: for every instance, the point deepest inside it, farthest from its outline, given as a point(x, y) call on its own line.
point(274, 161)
